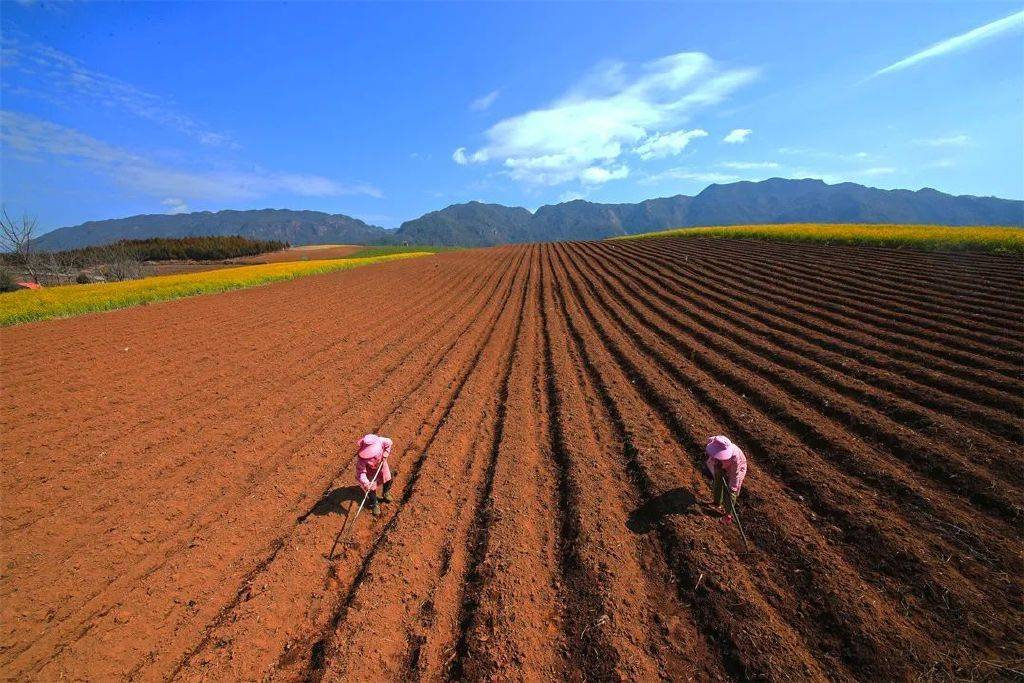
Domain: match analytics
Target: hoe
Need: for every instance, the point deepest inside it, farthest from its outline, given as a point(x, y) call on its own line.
point(736, 516)
point(348, 542)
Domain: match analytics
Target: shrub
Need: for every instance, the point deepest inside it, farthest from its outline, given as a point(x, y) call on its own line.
point(7, 283)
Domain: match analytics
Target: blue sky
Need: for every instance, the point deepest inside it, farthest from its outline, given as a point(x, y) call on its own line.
point(386, 111)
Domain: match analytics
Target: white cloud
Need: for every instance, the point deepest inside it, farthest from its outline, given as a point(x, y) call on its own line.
point(737, 135)
point(607, 114)
point(681, 173)
point(667, 144)
point(1014, 22)
point(33, 136)
point(941, 164)
point(748, 165)
point(570, 196)
point(595, 175)
point(175, 205)
point(947, 141)
point(875, 170)
point(825, 155)
point(459, 156)
point(70, 83)
point(484, 102)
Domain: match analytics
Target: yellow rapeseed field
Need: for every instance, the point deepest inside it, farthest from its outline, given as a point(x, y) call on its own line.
point(928, 237)
point(59, 302)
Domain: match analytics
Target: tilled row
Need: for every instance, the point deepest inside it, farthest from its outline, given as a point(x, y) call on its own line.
point(860, 462)
point(894, 429)
point(849, 339)
point(163, 564)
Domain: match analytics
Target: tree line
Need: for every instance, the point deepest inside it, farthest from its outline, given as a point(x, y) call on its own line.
point(207, 248)
point(122, 260)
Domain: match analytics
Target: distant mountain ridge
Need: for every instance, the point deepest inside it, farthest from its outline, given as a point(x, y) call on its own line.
point(295, 227)
point(776, 200)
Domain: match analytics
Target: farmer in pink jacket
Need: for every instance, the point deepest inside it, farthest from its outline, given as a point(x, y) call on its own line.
point(727, 465)
point(373, 453)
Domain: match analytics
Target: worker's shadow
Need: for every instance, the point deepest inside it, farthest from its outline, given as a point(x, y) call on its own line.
point(678, 501)
point(333, 502)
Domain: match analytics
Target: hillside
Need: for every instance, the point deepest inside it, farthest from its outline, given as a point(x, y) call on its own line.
point(776, 200)
point(294, 227)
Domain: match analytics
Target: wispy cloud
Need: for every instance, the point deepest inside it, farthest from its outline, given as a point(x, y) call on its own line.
point(749, 165)
point(945, 141)
point(34, 137)
point(807, 152)
point(68, 82)
point(484, 102)
point(613, 111)
point(1014, 22)
point(737, 136)
point(682, 173)
point(175, 205)
point(668, 144)
point(754, 171)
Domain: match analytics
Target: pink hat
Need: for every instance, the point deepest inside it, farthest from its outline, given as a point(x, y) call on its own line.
point(367, 450)
point(719, 448)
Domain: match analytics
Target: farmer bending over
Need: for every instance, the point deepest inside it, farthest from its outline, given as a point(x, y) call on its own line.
point(727, 464)
point(373, 453)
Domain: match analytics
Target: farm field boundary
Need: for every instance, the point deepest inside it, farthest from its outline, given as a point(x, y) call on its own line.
point(174, 486)
point(69, 300)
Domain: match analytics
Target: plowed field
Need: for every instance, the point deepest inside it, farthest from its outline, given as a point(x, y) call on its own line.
point(174, 475)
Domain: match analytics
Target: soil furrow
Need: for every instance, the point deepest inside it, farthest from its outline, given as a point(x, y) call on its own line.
point(860, 345)
point(889, 392)
point(297, 573)
point(421, 569)
point(916, 339)
point(901, 292)
point(168, 509)
point(857, 637)
point(933, 459)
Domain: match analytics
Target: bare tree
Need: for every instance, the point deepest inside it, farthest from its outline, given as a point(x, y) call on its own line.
point(16, 238)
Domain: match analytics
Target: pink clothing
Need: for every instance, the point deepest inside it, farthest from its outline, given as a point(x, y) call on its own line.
point(725, 454)
point(373, 450)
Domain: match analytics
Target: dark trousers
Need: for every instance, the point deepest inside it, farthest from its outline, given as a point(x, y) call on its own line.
point(371, 497)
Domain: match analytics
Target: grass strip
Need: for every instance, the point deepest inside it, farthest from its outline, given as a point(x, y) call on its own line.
point(995, 239)
point(69, 300)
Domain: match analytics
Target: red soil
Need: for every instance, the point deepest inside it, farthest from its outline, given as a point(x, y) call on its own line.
point(174, 475)
point(314, 252)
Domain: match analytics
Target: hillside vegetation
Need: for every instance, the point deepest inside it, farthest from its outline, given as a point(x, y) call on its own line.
point(925, 237)
point(204, 248)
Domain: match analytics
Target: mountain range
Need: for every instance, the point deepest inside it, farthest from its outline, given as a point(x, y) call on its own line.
point(776, 200)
